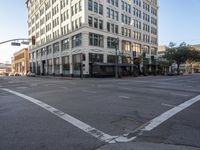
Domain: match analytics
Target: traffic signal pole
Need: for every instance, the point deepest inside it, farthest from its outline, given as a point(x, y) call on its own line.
point(20, 39)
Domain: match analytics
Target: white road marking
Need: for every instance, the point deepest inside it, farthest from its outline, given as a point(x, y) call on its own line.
point(124, 88)
point(21, 87)
point(33, 84)
point(75, 122)
point(65, 88)
point(170, 113)
point(88, 91)
point(101, 135)
point(125, 97)
point(178, 94)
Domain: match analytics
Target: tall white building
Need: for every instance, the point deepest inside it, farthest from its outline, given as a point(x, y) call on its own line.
point(75, 37)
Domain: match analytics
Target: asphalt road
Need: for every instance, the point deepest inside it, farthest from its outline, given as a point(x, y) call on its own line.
point(50, 114)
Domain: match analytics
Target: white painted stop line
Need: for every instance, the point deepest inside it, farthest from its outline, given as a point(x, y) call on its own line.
point(101, 135)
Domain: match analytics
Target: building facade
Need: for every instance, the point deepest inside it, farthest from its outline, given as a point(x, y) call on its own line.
point(20, 61)
point(5, 69)
point(78, 37)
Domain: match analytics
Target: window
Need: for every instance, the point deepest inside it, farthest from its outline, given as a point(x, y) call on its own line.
point(108, 12)
point(95, 23)
point(126, 46)
point(76, 61)
point(65, 44)
point(108, 26)
point(137, 48)
point(116, 29)
point(96, 7)
point(95, 57)
point(100, 9)
point(90, 5)
point(95, 39)
point(101, 24)
point(56, 47)
point(65, 65)
point(56, 62)
point(49, 50)
point(77, 40)
point(90, 21)
point(111, 58)
point(111, 42)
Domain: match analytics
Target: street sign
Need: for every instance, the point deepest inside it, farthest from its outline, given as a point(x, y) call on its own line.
point(25, 42)
point(15, 44)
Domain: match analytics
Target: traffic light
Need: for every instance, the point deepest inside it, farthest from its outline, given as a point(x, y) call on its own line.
point(33, 40)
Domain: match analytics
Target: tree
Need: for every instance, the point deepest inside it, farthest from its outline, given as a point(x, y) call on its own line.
point(181, 54)
point(172, 44)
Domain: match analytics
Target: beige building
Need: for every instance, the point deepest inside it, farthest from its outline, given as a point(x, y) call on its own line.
point(161, 50)
point(20, 61)
point(195, 66)
point(197, 47)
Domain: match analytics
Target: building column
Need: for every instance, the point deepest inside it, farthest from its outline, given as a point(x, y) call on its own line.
point(52, 66)
point(86, 64)
point(46, 67)
point(71, 64)
point(61, 65)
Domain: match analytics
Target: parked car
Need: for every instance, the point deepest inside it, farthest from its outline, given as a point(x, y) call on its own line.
point(30, 74)
point(11, 74)
point(17, 74)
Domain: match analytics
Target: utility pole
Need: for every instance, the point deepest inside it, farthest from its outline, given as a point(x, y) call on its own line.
point(116, 54)
point(133, 55)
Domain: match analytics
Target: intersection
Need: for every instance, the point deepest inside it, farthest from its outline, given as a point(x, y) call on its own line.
point(114, 108)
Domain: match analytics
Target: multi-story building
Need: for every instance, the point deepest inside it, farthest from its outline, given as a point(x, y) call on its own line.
point(20, 61)
point(75, 37)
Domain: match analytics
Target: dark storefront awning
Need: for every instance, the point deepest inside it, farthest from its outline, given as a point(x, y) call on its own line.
point(113, 64)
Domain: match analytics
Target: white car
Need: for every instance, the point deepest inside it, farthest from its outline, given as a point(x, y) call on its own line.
point(11, 74)
point(30, 74)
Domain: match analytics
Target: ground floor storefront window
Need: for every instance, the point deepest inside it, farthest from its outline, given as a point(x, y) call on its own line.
point(38, 68)
point(56, 66)
point(76, 61)
point(65, 65)
point(49, 66)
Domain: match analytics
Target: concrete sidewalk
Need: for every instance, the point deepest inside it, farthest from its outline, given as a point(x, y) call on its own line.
point(145, 146)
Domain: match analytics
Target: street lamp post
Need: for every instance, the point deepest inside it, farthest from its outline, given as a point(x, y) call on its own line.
point(116, 54)
point(133, 56)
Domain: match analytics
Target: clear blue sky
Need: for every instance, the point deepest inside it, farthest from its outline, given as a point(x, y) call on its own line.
point(179, 20)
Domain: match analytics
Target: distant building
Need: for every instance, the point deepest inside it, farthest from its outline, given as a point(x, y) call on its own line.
point(5, 69)
point(20, 61)
point(194, 66)
point(161, 50)
point(197, 46)
point(188, 67)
